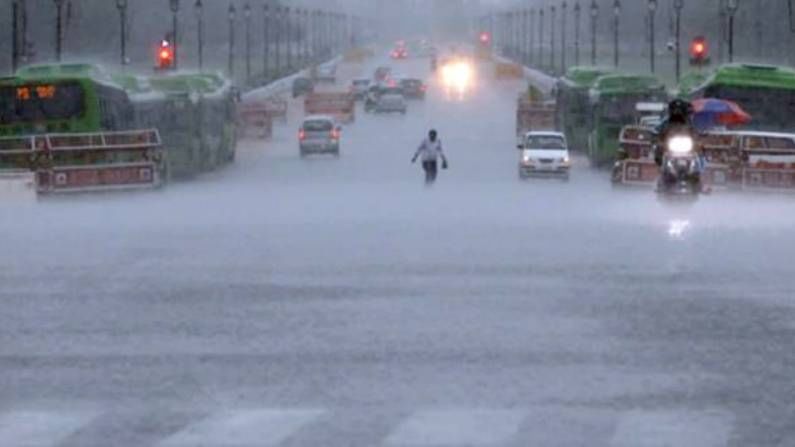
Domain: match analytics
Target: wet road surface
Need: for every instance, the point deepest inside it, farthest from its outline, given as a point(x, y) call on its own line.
point(338, 302)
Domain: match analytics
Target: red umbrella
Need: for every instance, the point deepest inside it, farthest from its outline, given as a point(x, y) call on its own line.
point(708, 112)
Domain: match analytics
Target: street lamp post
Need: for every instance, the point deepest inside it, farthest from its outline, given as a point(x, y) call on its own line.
point(678, 5)
point(277, 11)
point(232, 14)
point(200, 31)
point(616, 17)
point(315, 35)
point(288, 32)
point(174, 5)
point(58, 29)
point(526, 37)
point(552, 11)
point(307, 39)
point(652, 10)
point(265, 40)
point(577, 12)
point(594, 16)
point(121, 5)
point(247, 17)
point(731, 8)
point(563, 9)
point(541, 37)
point(532, 36)
point(14, 36)
point(297, 40)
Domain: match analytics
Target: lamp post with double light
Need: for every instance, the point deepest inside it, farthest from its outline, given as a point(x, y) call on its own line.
point(174, 6)
point(563, 10)
point(121, 5)
point(58, 29)
point(616, 23)
point(594, 16)
point(577, 12)
point(731, 9)
point(231, 16)
point(652, 11)
point(199, 8)
point(678, 5)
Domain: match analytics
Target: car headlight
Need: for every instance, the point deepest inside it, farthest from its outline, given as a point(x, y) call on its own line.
point(565, 160)
point(527, 159)
point(680, 145)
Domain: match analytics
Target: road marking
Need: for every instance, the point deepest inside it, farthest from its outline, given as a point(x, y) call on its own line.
point(262, 427)
point(40, 428)
point(673, 429)
point(457, 427)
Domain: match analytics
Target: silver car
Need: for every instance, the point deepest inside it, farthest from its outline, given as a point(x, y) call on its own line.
point(319, 134)
point(391, 103)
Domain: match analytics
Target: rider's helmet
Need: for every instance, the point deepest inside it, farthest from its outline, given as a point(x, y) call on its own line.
point(679, 110)
point(432, 134)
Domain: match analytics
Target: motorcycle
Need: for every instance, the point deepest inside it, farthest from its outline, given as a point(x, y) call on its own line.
point(680, 167)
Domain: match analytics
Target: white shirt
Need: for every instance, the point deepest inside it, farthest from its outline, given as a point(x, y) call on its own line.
point(430, 150)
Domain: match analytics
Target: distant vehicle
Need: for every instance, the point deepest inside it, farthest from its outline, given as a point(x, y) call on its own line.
point(544, 154)
point(391, 103)
point(413, 88)
point(302, 86)
point(399, 53)
point(326, 73)
point(359, 87)
point(382, 73)
point(319, 134)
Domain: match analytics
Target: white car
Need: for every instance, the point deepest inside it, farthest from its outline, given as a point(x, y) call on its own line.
point(391, 103)
point(319, 134)
point(544, 154)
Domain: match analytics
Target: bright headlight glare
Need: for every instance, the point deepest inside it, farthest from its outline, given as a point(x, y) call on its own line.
point(680, 145)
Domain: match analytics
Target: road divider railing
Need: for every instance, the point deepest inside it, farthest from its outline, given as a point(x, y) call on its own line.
point(84, 162)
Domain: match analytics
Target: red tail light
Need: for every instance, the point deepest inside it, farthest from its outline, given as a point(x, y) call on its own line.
point(335, 134)
point(301, 134)
point(424, 87)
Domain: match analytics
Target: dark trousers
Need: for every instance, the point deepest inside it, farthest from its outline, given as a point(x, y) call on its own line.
point(430, 171)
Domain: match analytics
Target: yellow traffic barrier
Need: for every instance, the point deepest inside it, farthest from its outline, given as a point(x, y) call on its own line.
point(508, 71)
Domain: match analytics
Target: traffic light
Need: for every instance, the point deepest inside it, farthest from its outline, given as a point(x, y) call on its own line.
point(165, 55)
point(485, 38)
point(699, 51)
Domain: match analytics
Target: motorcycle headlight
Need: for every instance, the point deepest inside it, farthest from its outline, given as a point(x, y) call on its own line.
point(680, 145)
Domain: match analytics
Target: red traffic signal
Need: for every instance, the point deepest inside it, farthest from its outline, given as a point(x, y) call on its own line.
point(165, 55)
point(699, 50)
point(485, 37)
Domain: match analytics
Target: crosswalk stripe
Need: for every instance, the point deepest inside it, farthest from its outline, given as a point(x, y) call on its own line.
point(457, 427)
point(260, 427)
point(673, 428)
point(40, 428)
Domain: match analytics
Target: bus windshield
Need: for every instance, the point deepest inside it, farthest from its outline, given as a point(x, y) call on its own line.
point(38, 102)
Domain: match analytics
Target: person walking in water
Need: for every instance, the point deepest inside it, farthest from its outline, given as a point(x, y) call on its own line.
point(430, 150)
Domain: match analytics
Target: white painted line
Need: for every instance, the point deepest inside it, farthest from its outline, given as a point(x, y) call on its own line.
point(457, 427)
point(40, 428)
point(262, 427)
point(673, 429)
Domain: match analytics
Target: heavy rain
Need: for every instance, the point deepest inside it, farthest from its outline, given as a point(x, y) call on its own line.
point(397, 223)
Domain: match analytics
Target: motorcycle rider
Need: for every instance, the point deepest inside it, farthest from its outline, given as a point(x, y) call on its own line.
point(678, 121)
point(430, 149)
